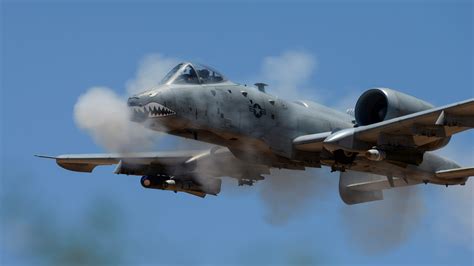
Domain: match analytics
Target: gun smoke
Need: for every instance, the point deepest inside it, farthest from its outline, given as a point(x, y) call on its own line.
point(287, 194)
point(103, 114)
point(382, 225)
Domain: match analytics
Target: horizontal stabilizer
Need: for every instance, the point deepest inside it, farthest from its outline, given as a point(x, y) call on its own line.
point(456, 173)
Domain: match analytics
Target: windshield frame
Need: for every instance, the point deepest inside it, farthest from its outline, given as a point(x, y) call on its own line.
point(176, 71)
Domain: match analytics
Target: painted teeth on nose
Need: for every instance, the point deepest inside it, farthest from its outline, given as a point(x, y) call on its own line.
point(154, 110)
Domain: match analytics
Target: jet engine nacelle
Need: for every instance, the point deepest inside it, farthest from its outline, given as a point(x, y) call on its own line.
point(380, 104)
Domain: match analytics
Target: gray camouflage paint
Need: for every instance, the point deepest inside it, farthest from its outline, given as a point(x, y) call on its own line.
point(259, 128)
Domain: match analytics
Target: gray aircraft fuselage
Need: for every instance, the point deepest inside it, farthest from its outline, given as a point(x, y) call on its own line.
point(256, 126)
point(195, 101)
point(386, 144)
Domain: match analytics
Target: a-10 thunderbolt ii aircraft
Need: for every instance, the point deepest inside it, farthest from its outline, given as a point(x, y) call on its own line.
point(386, 142)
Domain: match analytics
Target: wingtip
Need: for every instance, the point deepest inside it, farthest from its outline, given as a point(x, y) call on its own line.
point(463, 172)
point(44, 156)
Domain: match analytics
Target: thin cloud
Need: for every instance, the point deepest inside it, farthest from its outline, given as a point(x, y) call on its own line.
point(150, 72)
point(288, 73)
point(287, 194)
point(289, 77)
point(457, 223)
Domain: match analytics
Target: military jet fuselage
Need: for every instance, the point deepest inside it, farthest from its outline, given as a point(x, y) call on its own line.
point(256, 126)
point(385, 143)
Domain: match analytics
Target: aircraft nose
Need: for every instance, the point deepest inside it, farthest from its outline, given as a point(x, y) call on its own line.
point(136, 116)
point(133, 101)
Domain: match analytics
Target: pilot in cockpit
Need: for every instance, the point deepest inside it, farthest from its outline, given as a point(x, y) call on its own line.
point(189, 76)
point(204, 75)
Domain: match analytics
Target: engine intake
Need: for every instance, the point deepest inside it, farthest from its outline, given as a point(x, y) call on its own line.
point(380, 104)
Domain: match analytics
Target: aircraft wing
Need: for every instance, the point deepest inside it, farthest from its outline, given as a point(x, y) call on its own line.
point(423, 126)
point(186, 167)
point(215, 162)
point(413, 130)
point(87, 162)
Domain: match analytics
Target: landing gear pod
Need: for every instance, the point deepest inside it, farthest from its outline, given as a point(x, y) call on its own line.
point(352, 196)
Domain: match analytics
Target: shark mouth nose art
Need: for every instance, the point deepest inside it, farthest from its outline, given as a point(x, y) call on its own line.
point(152, 110)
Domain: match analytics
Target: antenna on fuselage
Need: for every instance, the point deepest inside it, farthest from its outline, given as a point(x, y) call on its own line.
point(261, 86)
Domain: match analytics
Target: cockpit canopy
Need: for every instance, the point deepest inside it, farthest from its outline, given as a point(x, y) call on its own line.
point(187, 73)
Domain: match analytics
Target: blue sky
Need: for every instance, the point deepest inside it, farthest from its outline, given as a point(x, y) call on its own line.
point(52, 53)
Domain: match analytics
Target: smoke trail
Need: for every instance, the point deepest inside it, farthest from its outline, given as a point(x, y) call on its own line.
point(151, 70)
point(379, 226)
point(457, 225)
point(105, 116)
point(286, 194)
point(288, 73)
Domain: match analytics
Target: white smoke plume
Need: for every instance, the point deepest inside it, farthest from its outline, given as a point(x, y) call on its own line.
point(105, 116)
point(287, 194)
point(457, 223)
point(151, 71)
point(289, 77)
point(345, 102)
point(380, 226)
point(103, 113)
point(288, 73)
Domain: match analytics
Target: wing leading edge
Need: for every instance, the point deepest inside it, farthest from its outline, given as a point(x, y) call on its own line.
point(413, 130)
point(193, 172)
point(416, 130)
point(87, 162)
